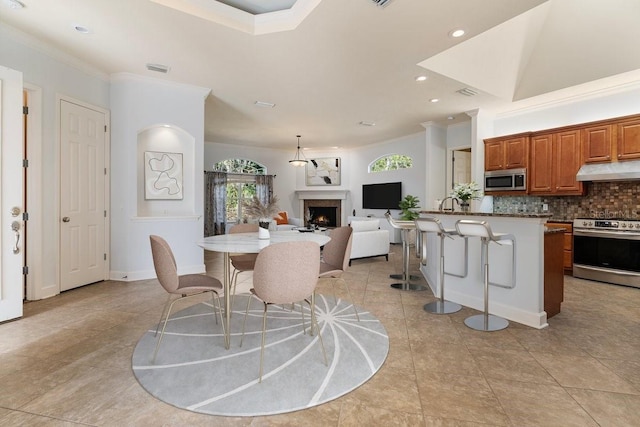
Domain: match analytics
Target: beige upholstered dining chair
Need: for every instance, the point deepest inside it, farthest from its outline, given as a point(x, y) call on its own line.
point(241, 262)
point(286, 273)
point(185, 286)
point(335, 258)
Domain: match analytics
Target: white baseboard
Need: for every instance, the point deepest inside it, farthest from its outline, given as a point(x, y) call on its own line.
point(132, 276)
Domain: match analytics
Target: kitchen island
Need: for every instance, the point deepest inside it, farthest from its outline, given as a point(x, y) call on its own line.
point(524, 302)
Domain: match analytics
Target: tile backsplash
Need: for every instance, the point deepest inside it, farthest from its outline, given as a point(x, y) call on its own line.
point(602, 200)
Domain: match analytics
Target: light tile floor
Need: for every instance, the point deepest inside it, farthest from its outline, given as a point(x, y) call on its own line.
point(68, 361)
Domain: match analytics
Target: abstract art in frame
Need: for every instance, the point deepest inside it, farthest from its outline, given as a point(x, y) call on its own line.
point(162, 176)
point(324, 171)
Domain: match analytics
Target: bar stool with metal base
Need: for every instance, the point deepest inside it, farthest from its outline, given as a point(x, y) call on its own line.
point(405, 227)
point(433, 225)
point(471, 228)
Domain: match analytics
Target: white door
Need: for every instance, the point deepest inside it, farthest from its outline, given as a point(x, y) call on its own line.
point(82, 195)
point(11, 147)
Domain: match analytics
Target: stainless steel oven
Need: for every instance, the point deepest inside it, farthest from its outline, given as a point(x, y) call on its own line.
point(607, 250)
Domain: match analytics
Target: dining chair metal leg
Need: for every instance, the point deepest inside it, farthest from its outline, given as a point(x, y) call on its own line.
point(246, 313)
point(155, 352)
point(216, 297)
point(164, 309)
point(304, 326)
point(350, 298)
point(264, 331)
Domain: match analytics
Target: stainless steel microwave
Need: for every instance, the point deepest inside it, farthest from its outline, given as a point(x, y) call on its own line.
point(505, 180)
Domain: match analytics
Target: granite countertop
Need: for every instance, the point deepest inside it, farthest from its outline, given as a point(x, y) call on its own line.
point(502, 215)
point(560, 221)
point(551, 230)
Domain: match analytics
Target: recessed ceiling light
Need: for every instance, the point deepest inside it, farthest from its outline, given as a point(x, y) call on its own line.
point(81, 29)
point(450, 118)
point(457, 33)
point(14, 4)
point(434, 100)
point(159, 68)
point(421, 78)
point(364, 123)
point(265, 104)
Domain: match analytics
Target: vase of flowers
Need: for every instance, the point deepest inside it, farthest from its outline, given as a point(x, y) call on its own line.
point(264, 213)
point(466, 192)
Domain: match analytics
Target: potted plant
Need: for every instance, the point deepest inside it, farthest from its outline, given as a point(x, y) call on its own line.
point(407, 205)
point(465, 192)
point(264, 213)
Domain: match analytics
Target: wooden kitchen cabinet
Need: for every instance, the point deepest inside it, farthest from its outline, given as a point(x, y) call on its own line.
point(566, 163)
point(597, 143)
point(628, 133)
point(506, 153)
point(555, 161)
point(553, 274)
point(493, 155)
point(567, 244)
point(540, 173)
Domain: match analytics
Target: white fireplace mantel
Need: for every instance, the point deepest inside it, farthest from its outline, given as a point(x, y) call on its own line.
point(322, 194)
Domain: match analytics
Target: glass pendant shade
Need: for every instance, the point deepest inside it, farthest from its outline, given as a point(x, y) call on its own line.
point(299, 159)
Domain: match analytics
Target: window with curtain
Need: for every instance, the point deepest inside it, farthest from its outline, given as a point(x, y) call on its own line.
point(243, 182)
point(391, 162)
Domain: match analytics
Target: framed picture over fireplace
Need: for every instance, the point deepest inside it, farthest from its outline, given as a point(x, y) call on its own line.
point(323, 171)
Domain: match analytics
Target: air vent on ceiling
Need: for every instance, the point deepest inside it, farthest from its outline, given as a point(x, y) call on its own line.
point(158, 68)
point(467, 91)
point(381, 3)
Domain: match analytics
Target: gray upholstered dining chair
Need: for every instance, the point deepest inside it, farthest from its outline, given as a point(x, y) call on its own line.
point(241, 262)
point(286, 273)
point(185, 286)
point(335, 258)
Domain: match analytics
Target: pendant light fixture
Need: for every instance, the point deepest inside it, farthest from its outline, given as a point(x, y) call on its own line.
point(299, 159)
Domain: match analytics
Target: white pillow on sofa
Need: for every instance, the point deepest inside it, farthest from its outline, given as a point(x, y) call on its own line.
point(365, 225)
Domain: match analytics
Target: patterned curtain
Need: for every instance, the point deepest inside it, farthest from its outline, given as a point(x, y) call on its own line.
point(264, 188)
point(215, 200)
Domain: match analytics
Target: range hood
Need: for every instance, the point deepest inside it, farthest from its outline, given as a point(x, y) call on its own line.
point(614, 171)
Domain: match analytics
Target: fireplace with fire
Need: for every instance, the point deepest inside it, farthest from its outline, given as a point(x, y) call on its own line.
point(322, 213)
point(322, 217)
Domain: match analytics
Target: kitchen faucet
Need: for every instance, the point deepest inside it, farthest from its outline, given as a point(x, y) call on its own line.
point(441, 205)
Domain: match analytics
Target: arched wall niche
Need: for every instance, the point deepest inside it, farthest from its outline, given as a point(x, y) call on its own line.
point(165, 172)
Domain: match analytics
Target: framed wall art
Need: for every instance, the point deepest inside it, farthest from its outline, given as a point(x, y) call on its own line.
point(162, 176)
point(323, 171)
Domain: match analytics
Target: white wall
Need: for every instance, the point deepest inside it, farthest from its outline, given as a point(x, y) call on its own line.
point(56, 74)
point(598, 106)
point(140, 103)
point(413, 179)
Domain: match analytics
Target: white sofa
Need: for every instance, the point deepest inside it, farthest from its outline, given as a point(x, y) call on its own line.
point(291, 223)
point(368, 239)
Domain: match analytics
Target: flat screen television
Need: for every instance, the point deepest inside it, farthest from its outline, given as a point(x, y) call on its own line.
point(381, 196)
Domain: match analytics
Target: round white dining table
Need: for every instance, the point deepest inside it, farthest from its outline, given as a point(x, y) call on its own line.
point(249, 243)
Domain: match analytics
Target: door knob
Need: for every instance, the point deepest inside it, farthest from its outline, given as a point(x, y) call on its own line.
point(66, 219)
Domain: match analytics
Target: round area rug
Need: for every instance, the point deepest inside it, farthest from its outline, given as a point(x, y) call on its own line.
point(194, 371)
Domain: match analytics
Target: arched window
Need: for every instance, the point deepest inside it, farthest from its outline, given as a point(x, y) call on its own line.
point(241, 184)
point(391, 162)
point(240, 166)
